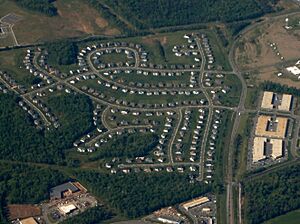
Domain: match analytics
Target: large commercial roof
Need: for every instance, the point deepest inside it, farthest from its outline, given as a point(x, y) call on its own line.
point(195, 202)
point(28, 221)
point(286, 102)
point(277, 148)
point(271, 127)
point(258, 151)
point(267, 101)
point(56, 192)
point(273, 100)
point(66, 209)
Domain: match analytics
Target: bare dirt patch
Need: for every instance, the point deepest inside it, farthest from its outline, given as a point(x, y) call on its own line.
point(76, 18)
point(102, 23)
point(254, 51)
point(152, 39)
point(23, 211)
point(270, 74)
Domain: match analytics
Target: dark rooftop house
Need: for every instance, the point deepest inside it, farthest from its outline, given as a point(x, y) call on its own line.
point(63, 190)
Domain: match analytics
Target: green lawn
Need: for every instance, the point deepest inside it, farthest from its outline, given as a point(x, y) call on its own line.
point(289, 218)
point(251, 98)
point(11, 62)
point(232, 96)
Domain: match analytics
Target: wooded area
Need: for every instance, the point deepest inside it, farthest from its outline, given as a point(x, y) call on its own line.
point(21, 140)
point(62, 53)
point(130, 145)
point(139, 194)
point(23, 184)
point(272, 194)
point(157, 13)
point(42, 6)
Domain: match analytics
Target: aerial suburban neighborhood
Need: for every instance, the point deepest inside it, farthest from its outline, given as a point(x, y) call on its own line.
point(136, 111)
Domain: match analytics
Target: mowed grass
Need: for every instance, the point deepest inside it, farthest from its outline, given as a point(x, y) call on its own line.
point(11, 62)
point(289, 218)
point(75, 19)
point(7, 40)
point(251, 98)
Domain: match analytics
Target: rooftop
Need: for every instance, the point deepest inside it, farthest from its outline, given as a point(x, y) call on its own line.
point(57, 192)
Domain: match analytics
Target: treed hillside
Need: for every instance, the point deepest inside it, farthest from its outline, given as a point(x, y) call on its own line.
point(273, 194)
point(159, 13)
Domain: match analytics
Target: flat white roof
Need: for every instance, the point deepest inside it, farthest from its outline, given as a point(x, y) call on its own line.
point(195, 202)
point(294, 70)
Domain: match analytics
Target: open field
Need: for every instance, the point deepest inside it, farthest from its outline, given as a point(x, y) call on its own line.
point(290, 218)
point(23, 211)
point(11, 62)
point(75, 19)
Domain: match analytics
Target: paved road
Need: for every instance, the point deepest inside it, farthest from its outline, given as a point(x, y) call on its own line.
point(103, 119)
point(210, 111)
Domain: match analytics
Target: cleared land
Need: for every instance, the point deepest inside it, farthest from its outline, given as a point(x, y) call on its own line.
point(270, 47)
point(75, 18)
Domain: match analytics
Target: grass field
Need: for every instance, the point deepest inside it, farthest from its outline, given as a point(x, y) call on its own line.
point(11, 62)
point(75, 19)
point(240, 155)
point(289, 218)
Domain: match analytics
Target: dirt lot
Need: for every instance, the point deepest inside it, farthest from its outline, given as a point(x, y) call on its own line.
point(270, 74)
point(75, 19)
point(255, 51)
point(23, 211)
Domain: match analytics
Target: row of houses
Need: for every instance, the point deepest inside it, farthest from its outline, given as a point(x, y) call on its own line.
point(207, 50)
point(12, 83)
point(211, 146)
point(37, 121)
point(189, 129)
point(46, 111)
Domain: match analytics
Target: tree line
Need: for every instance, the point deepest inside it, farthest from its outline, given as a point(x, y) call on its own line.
point(276, 87)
